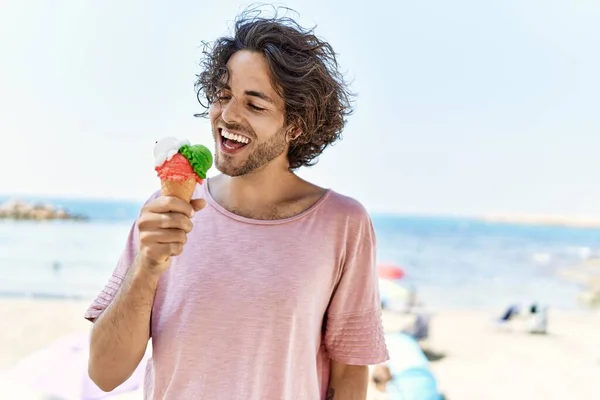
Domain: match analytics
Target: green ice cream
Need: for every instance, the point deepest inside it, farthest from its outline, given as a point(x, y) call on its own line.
point(199, 157)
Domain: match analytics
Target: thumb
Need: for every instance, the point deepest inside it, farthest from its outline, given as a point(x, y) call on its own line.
point(198, 204)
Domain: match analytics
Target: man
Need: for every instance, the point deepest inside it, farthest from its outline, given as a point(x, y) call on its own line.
point(269, 289)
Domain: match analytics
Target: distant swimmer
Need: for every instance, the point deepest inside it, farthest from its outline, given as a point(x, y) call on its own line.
point(56, 266)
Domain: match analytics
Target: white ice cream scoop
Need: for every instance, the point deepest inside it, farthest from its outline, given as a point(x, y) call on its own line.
point(166, 148)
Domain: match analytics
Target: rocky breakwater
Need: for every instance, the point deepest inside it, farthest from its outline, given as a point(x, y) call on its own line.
point(22, 210)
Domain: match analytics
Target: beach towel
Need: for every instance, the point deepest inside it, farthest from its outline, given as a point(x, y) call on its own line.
point(60, 372)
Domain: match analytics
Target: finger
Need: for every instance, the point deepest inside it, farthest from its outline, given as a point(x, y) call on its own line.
point(163, 236)
point(198, 204)
point(151, 221)
point(176, 248)
point(164, 204)
point(175, 221)
point(157, 253)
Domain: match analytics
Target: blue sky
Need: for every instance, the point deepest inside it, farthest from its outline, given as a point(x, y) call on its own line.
point(464, 107)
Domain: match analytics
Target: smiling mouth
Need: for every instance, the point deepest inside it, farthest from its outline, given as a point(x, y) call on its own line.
point(233, 141)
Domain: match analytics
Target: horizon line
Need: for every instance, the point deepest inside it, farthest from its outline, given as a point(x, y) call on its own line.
point(510, 217)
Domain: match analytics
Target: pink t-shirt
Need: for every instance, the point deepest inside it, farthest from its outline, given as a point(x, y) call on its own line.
point(256, 309)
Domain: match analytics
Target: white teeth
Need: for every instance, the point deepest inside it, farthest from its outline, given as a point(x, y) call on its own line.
point(233, 136)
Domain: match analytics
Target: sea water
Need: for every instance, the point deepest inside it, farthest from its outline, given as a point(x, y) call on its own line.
point(451, 262)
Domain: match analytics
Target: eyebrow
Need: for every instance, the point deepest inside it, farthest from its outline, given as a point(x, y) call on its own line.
point(254, 93)
point(260, 95)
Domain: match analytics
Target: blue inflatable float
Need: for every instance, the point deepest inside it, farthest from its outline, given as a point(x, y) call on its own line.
point(412, 379)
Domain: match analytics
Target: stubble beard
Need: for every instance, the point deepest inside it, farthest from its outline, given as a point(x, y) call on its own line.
point(261, 155)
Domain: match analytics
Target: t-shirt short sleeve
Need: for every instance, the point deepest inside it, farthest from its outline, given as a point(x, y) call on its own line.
point(353, 327)
point(128, 254)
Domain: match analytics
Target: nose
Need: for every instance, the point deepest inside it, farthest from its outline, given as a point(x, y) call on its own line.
point(230, 111)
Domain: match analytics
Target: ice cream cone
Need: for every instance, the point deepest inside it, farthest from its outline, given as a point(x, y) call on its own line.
point(180, 166)
point(182, 190)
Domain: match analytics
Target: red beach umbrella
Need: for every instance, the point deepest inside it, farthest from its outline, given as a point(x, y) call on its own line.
point(390, 270)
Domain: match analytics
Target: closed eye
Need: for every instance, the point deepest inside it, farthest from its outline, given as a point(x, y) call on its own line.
point(252, 106)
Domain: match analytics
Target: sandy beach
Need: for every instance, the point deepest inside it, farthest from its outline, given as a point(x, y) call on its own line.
point(484, 363)
point(479, 362)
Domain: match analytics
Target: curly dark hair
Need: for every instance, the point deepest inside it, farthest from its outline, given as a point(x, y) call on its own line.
point(304, 72)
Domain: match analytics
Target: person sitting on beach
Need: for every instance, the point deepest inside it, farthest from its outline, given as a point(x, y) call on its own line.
point(538, 319)
point(273, 293)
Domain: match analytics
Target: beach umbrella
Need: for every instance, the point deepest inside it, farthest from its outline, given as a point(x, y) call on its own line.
point(60, 371)
point(392, 290)
point(390, 271)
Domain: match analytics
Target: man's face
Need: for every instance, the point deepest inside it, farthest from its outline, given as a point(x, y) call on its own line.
point(247, 120)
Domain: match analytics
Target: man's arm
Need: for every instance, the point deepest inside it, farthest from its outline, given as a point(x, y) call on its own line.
point(354, 336)
point(347, 382)
point(120, 335)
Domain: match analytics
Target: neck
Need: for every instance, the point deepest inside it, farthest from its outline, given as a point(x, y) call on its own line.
point(262, 189)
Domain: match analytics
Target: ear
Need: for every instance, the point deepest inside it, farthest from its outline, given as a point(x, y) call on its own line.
point(293, 133)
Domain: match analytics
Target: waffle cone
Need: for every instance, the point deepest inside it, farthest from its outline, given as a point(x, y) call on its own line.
point(182, 190)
